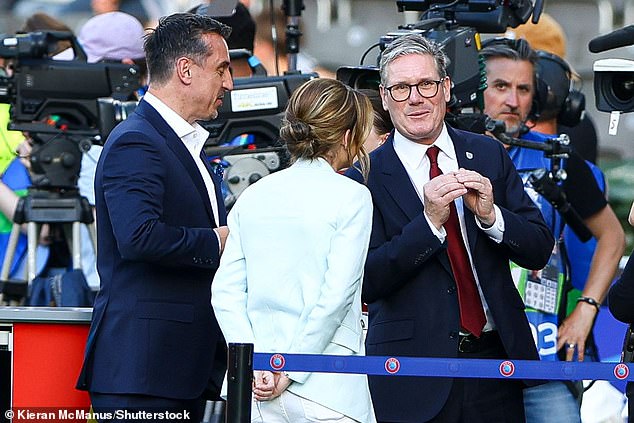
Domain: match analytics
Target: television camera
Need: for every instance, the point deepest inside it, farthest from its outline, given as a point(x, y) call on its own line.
point(244, 138)
point(614, 78)
point(56, 101)
point(456, 25)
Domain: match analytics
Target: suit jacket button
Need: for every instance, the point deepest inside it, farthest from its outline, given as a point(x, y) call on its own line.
point(451, 290)
point(453, 334)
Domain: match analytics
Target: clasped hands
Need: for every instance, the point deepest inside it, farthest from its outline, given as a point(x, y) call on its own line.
point(476, 192)
point(269, 385)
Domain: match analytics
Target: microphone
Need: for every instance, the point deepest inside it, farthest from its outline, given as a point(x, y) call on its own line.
point(619, 38)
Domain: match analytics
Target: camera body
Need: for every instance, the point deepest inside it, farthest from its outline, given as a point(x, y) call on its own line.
point(614, 85)
point(56, 101)
point(493, 16)
point(252, 112)
point(41, 86)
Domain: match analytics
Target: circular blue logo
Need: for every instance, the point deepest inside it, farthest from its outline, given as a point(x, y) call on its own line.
point(507, 368)
point(392, 365)
point(621, 371)
point(277, 361)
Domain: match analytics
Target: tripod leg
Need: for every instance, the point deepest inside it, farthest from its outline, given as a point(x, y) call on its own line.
point(10, 252)
point(76, 243)
point(32, 239)
point(92, 232)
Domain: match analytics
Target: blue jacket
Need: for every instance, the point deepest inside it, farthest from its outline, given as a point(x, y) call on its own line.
point(408, 283)
point(153, 331)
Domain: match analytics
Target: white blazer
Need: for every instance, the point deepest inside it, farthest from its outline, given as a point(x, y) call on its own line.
point(290, 276)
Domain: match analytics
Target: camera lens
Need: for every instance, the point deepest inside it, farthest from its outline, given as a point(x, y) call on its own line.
point(614, 91)
point(623, 87)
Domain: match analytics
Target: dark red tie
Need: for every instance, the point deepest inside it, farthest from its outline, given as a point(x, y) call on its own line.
point(472, 316)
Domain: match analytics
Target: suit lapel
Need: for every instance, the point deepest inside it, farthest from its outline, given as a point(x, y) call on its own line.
point(396, 182)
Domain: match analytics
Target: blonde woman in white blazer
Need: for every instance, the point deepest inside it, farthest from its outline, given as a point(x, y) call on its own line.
point(290, 276)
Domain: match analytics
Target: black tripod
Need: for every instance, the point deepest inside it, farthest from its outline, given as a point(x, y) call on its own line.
point(66, 208)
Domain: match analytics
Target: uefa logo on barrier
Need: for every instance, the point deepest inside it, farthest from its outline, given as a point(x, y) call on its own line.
point(392, 365)
point(277, 361)
point(507, 368)
point(621, 371)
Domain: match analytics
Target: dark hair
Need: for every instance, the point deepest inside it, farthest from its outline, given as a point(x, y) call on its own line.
point(176, 36)
point(42, 22)
point(382, 120)
point(317, 117)
point(521, 51)
point(507, 48)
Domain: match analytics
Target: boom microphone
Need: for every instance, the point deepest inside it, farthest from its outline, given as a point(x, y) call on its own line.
point(619, 38)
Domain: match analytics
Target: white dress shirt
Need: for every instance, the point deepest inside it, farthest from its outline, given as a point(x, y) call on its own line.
point(194, 137)
point(414, 158)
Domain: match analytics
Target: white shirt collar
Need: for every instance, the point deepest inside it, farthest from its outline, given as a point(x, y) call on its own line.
point(193, 136)
point(414, 153)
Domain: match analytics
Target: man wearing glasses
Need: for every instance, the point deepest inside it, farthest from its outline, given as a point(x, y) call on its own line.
point(449, 212)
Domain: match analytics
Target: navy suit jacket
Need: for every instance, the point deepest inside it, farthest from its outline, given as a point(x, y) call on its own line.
point(408, 283)
point(153, 331)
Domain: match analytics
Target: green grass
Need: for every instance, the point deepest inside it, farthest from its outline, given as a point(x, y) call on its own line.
point(620, 177)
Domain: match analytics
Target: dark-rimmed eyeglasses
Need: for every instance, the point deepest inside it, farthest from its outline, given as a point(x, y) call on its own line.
point(427, 89)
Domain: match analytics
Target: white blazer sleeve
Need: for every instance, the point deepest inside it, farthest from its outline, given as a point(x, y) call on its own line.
point(229, 287)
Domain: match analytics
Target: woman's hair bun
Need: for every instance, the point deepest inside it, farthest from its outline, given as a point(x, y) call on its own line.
point(296, 130)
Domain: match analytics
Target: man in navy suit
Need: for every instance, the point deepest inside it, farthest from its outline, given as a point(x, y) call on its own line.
point(465, 192)
point(154, 343)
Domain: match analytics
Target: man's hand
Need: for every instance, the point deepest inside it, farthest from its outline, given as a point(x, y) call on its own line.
point(479, 195)
point(438, 194)
point(223, 233)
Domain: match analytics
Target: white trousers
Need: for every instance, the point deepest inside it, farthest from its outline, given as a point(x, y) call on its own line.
point(290, 408)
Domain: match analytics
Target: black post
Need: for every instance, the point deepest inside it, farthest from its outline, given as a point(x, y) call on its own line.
point(239, 379)
point(293, 11)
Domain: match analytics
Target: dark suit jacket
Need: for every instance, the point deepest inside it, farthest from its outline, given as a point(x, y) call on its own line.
point(408, 284)
point(621, 294)
point(153, 331)
point(621, 304)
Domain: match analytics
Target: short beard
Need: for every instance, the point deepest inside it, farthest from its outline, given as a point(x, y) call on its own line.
point(513, 131)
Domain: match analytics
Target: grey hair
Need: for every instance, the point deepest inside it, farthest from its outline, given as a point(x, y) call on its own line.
point(518, 50)
point(413, 43)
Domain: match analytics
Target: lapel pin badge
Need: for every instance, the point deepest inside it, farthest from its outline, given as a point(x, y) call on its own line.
point(469, 155)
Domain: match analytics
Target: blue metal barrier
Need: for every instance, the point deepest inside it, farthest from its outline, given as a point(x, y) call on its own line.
point(240, 399)
point(444, 367)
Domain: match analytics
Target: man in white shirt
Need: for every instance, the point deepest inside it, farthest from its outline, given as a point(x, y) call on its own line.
point(154, 343)
point(449, 212)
